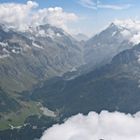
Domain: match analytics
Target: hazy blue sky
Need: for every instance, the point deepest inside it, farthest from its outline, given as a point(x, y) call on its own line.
point(93, 15)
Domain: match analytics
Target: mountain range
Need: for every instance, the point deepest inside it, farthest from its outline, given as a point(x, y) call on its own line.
point(47, 75)
point(114, 87)
point(39, 53)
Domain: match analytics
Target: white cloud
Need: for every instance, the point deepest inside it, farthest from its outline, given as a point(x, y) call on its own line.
point(54, 16)
point(136, 38)
point(115, 7)
point(21, 16)
point(16, 15)
point(106, 126)
point(89, 4)
point(96, 4)
point(130, 29)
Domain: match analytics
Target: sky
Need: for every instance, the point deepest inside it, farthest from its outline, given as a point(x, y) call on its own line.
point(91, 16)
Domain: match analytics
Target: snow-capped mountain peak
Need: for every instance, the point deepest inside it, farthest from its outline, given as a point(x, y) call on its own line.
point(46, 30)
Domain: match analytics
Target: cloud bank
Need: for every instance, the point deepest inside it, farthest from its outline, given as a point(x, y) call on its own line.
point(106, 126)
point(21, 16)
point(96, 4)
point(130, 29)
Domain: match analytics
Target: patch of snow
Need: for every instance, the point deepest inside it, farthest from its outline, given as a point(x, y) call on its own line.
point(58, 35)
point(114, 33)
point(5, 51)
point(36, 45)
point(3, 44)
point(15, 51)
point(73, 69)
point(31, 38)
point(42, 32)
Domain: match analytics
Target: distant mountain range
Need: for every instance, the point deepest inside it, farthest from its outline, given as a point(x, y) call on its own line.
point(46, 51)
point(81, 37)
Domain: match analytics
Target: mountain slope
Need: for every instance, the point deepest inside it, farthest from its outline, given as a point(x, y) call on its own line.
point(112, 87)
point(80, 37)
point(100, 49)
point(7, 103)
point(40, 53)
